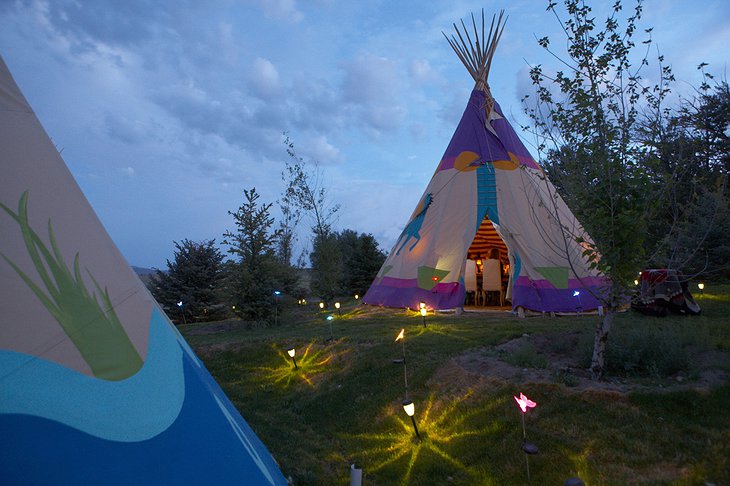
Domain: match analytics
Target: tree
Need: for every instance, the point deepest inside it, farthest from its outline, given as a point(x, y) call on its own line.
point(327, 266)
point(344, 263)
point(305, 194)
point(589, 130)
point(691, 160)
point(305, 191)
point(363, 264)
point(290, 217)
point(256, 272)
point(194, 277)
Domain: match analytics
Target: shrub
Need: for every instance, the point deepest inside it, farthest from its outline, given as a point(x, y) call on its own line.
point(526, 357)
point(653, 351)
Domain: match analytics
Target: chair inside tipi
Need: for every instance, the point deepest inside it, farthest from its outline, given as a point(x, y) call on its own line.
point(470, 282)
point(492, 279)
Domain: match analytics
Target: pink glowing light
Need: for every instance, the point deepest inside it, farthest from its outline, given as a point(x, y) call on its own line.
point(524, 403)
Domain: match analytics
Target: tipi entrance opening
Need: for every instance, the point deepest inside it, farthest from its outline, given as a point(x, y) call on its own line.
point(487, 268)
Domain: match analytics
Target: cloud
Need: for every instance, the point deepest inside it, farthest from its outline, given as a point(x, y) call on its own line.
point(319, 149)
point(127, 171)
point(126, 131)
point(371, 86)
point(316, 105)
point(285, 10)
point(263, 79)
point(117, 23)
point(421, 73)
point(452, 109)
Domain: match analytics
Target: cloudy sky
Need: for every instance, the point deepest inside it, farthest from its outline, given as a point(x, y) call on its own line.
point(166, 111)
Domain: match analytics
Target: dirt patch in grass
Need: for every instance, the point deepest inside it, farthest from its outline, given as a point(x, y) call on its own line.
point(552, 358)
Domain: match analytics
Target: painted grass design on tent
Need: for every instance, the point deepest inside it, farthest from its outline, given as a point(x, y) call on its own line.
point(92, 326)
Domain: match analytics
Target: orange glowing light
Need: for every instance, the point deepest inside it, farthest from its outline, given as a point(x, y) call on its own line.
point(524, 403)
point(435, 279)
point(401, 335)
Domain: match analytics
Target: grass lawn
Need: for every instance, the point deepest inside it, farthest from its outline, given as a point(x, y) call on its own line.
point(662, 417)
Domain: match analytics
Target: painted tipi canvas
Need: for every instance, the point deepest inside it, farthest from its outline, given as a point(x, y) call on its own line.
point(96, 385)
point(488, 193)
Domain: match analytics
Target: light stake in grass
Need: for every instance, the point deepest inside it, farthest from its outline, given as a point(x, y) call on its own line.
point(321, 306)
point(276, 307)
point(576, 293)
point(423, 314)
point(527, 447)
point(180, 305)
point(701, 286)
point(291, 353)
point(402, 338)
point(410, 410)
point(337, 306)
point(329, 319)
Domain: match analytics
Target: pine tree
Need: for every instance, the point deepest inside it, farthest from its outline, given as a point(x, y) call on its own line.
point(194, 279)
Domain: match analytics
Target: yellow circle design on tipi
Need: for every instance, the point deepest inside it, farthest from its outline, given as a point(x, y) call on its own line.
point(465, 162)
point(465, 159)
point(510, 164)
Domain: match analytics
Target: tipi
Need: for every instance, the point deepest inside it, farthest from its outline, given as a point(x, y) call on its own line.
point(488, 196)
point(96, 384)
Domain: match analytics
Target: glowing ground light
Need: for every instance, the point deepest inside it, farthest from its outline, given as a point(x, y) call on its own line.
point(524, 403)
point(180, 305)
point(701, 286)
point(401, 335)
point(421, 305)
point(576, 293)
point(330, 318)
point(423, 315)
point(527, 447)
point(291, 354)
point(321, 305)
point(313, 362)
point(410, 410)
point(445, 428)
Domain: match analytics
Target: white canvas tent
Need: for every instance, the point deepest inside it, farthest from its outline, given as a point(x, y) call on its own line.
point(96, 385)
point(488, 193)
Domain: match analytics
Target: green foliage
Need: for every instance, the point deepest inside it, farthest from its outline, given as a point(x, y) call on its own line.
point(257, 272)
point(646, 181)
point(305, 191)
point(526, 356)
point(690, 162)
point(327, 266)
point(650, 351)
point(588, 130)
point(344, 263)
point(363, 266)
point(195, 278)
